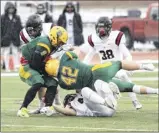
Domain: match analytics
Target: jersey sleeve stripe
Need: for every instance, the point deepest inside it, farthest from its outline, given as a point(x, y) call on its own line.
point(23, 37)
point(90, 40)
point(99, 66)
point(69, 55)
point(117, 41)
point(45, 46)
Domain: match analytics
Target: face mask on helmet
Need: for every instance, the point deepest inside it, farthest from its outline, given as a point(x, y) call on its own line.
point(68, 98)
point(34, 26)
point(103, 29)
point(58, 36)
point(34, 32)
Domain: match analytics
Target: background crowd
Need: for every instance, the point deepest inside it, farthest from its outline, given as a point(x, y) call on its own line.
point(73, 16)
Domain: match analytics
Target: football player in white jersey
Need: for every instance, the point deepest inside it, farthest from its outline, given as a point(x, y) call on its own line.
point(110, 46)
point(91, 103)
point(35, 28)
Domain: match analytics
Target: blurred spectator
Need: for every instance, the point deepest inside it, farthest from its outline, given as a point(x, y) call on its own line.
point(42, 11)
point(10, 41)
point(72, 22)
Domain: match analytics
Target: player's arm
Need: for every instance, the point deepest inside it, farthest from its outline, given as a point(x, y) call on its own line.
point(91, 52)
point(65, 111)
point(124, 50)
point(40, 53)
point(89, 56)
point(59, 53)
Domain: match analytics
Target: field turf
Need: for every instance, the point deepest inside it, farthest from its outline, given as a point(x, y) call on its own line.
point(125, 119)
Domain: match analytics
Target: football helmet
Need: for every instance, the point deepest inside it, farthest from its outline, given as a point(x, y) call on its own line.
point(52, 66)
point(68, 98)
point(58, 36)
point(103, 27)
point(34, 26)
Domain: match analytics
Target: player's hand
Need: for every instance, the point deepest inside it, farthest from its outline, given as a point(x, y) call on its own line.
point(48, 111)
point(148, 67)
point(68, 47)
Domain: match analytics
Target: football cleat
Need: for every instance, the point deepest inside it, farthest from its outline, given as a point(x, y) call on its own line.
point(41, 105)
point(115, 90)
point(137, 104)
point(23, 112)
point(48, 111)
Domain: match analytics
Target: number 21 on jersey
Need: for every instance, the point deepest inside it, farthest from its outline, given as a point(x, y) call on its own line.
point(69, 76)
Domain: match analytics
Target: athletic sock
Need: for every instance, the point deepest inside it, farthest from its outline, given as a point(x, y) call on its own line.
point(30, 95)
point(50, 95)
point(144, 90)
point(132, 95)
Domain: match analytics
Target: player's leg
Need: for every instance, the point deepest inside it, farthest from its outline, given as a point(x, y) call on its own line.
point(6, 58)
point(96, 103)
point(104, 96)
point(15, 57)
point(131, 65)
point(51, 85)
point(99, 110)
point(57, 99)
point(41, 97)
point(131, 87)
point(107, 91)
point(35, 80)
point(2, 57)
point(122, 75)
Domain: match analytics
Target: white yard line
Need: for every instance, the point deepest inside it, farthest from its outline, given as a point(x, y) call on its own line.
point(148, 61)
point(18, 98)
point(145, 79)
point(76, 127)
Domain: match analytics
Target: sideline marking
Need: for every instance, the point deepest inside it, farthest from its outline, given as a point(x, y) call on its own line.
point(76, 127)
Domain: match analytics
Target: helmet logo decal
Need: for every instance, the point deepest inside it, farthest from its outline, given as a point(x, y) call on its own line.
point(59, 33)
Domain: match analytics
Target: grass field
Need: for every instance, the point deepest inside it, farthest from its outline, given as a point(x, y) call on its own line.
point(126, 118)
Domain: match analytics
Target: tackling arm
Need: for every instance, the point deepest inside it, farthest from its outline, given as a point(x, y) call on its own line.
point(38, 58)
point(89, 56)
point(124, 50)
point(65, 111)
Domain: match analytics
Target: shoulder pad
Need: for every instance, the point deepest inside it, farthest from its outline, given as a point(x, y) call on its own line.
point(118, 38)
point(90, 40)
point(24, 37)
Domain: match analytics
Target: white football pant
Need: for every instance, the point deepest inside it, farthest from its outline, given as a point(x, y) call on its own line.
point(95, 101)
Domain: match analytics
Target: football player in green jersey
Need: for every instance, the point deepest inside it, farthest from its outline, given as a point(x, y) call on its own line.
point(73, 74)
point(32, 69)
